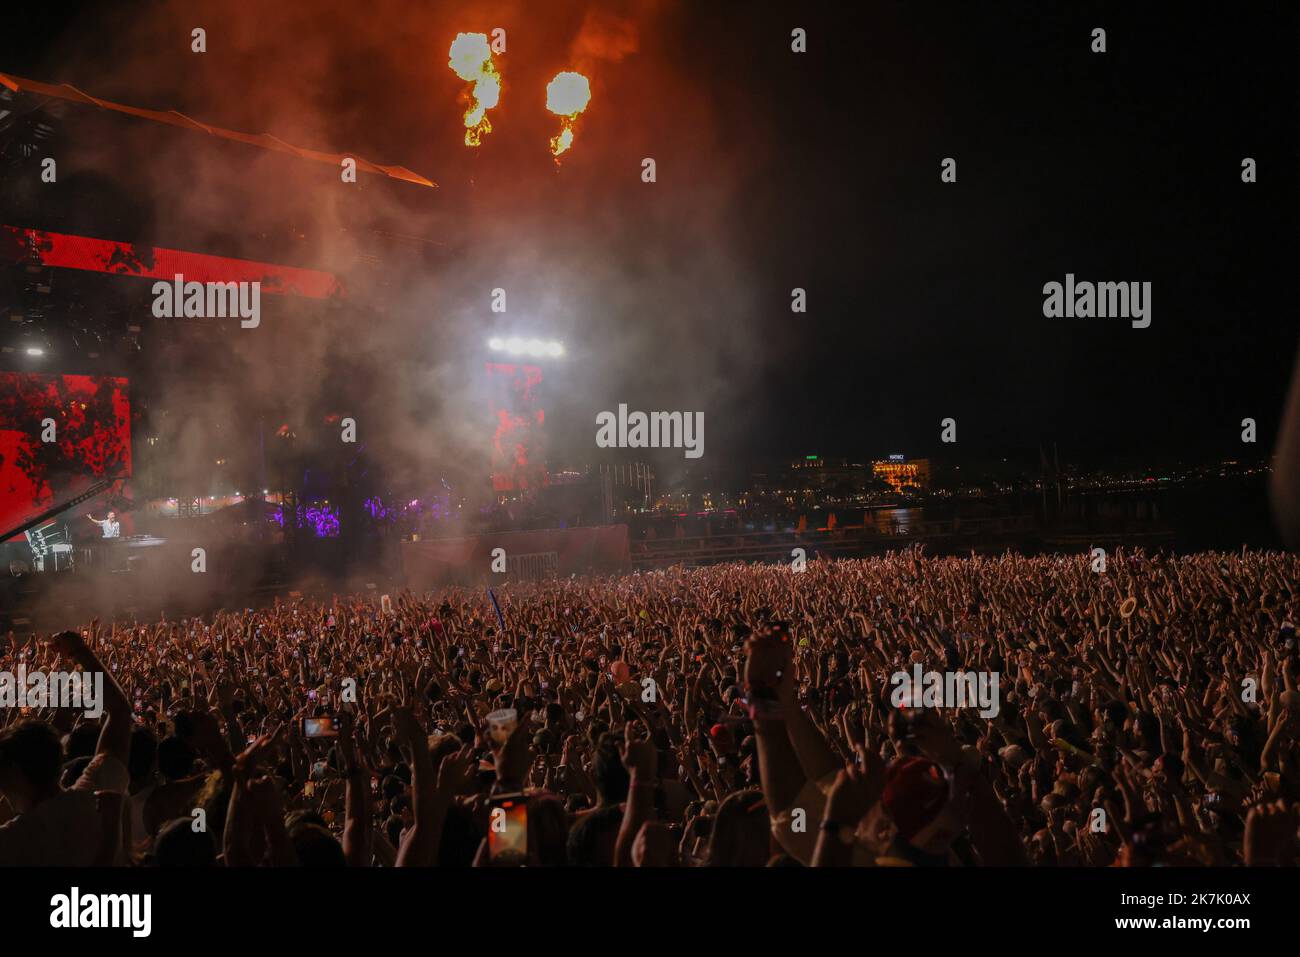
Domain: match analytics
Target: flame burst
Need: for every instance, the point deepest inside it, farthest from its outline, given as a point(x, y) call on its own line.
point(566, 96)
point(471, 60)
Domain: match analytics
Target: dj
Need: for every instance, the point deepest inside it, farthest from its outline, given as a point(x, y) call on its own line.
point(110, 525)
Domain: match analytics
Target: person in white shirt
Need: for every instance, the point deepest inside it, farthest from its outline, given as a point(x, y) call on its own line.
point(109, 526)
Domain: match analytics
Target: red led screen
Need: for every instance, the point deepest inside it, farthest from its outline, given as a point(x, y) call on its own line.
point(518, 453)
point(91, 439)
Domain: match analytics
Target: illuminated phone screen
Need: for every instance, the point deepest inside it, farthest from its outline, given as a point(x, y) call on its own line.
point(318, 728)
point(508, 830)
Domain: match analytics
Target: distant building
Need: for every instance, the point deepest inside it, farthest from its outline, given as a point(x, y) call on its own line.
point(903, 474)
point(816, 472)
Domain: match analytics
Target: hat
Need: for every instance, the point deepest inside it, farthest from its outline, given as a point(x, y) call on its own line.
point(915, 792)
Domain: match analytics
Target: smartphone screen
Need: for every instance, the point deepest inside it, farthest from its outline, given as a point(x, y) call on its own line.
point(508, 829)
point(319, 728)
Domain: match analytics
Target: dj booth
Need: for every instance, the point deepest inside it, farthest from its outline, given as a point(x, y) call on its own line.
point(54, 551)
point(116, 554)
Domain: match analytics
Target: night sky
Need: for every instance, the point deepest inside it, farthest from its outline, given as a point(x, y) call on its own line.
point(823, 171)
point(926, 298)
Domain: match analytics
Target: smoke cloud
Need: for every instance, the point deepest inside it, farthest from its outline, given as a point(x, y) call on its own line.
point(641, 281)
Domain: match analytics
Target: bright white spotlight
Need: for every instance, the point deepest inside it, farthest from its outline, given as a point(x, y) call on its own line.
point(35, 351)
point(536, 348)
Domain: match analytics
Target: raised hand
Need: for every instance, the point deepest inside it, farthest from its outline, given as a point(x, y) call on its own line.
point(639, 756)
point(455, 771)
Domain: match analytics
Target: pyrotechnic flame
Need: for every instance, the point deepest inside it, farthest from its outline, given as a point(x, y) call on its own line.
point(566, 96)
point(471, 60)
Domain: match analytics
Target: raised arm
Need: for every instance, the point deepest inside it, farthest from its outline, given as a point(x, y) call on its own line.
point(115, 734)
point(641, 761)
point(770, 665)
point(419, 847)
point(358, 829)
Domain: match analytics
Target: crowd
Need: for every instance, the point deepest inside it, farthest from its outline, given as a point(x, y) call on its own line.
point(736, 715)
